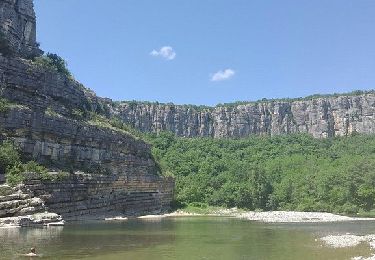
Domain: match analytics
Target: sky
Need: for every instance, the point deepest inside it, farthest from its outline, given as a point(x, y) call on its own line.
point(207, 52)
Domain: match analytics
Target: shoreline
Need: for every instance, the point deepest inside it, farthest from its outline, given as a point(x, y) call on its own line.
point(262, 217)
point(267, 216)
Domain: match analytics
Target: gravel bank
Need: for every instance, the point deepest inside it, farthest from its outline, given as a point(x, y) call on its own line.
point(292, 216)
point(348, 240)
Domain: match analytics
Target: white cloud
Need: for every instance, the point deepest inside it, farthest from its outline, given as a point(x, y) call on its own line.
point(222, 75)
point(165, 52)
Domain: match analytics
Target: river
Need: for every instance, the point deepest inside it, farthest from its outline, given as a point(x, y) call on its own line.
point(184, 238)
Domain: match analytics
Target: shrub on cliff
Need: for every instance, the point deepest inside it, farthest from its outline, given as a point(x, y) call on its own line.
point(16, 171)
point(8, 156)
point(4, 105)
point(53, 62)
point(22, 171)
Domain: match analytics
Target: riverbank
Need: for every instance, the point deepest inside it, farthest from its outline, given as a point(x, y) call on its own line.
point(36, 220)
point(266, 216)
point(50, 219)
point(297, 217)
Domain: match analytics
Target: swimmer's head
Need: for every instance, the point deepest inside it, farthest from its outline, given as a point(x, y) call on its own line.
point(32, 250)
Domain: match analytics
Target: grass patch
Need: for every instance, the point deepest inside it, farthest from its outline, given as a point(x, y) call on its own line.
point(113, 124)
point(4, 105)
point(52, 113)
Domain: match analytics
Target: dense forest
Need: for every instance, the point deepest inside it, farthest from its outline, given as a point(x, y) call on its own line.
point(293, 172)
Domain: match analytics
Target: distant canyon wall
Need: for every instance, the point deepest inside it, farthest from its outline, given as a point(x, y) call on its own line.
point(320, 117)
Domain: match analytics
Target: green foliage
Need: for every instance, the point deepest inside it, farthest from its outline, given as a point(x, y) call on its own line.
point(294, 172)
point(8, 156)
point(52, 113)
point(53, 62)
point(78, 114)
point(114, 124)
point(16, 171)
point(21, 172)
point(311, 97)
point(4, 105)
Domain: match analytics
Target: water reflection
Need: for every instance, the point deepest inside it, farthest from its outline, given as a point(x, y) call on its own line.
point(182, 238)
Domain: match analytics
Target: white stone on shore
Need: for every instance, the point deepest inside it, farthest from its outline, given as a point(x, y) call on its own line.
point(292, 216)
point(152, 216)
point(116, 219)
point(341, 241)
point(348, 240)
point(38, 219)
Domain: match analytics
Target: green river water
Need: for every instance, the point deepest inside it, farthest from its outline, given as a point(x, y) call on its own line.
point(183, 238)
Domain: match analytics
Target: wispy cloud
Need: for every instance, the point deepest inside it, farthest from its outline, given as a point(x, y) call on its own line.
point(222, 75)
point(165, 52)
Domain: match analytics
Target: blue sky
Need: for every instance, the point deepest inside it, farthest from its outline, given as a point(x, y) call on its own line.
point(215, 51)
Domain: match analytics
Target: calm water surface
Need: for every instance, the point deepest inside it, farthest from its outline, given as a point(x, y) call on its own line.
point(183, 238)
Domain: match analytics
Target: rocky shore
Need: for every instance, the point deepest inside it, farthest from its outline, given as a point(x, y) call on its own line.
point(295, 217)
point(350, 240)
point(36, 220)
point(267, 216)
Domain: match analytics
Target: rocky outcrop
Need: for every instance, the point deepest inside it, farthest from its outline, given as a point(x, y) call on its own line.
point(121, 176)
point(320, 117)
point(15, 202)
point(107, 171)
point(93, 196)
point(18, 25)
point(19, 207)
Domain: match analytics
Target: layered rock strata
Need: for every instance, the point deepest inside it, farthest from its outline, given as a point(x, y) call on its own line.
point(85, 196)
point(123, 179)
point(320, 117)
point(20, 207)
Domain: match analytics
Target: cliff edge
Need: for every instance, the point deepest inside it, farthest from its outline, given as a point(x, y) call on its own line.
point(320, 117)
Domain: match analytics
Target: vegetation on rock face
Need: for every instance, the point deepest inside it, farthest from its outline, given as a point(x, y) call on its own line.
point(16, 171)
point(114, 124)
point(8, 156)
point(53, 62)
point(294, 172)
point(20, 172)
point(4, 105)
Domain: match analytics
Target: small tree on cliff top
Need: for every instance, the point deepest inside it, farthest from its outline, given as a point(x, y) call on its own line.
point(53, 62)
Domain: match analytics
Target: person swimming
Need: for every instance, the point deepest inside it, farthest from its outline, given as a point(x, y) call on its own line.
point(32, 253)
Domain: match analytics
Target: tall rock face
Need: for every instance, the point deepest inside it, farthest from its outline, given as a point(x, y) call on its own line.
point(111, 172)
point(18, 26)
point(102, 170)
point(320, 117)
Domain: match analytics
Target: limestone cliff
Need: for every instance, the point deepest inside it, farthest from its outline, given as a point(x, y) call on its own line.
point(108, 171)
point(120, 175)
point(321, 117)
point(18, 25)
